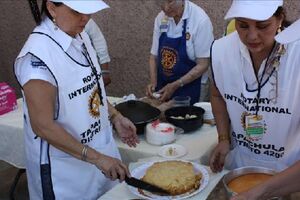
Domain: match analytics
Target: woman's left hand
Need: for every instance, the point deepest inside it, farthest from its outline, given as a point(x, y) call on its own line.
point(126, 130)
point(167, 91)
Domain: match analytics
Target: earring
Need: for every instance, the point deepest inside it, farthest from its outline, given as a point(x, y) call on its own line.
point(55, 25)
point(279, 29)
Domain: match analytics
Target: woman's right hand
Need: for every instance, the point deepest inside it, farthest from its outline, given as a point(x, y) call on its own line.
point(150, 89)
point(217, 158)
point(112, 168)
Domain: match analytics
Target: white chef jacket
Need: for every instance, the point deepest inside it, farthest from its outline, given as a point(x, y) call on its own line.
point(278, 147)
point(198, 26)
point(49, 170)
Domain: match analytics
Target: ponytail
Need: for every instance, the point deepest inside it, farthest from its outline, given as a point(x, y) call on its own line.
point(35, 11)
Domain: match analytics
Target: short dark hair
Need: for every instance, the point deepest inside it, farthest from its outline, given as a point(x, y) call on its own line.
point(45, 10)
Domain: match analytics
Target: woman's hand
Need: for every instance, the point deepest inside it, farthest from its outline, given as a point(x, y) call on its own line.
point(150, 89)
point(217, 158)
point(167, 91)
point(126, 130)
point(112, 168)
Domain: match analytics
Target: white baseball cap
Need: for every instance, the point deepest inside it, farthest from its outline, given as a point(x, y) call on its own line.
point(290, 34)
point(84, 6)
point(253, 9)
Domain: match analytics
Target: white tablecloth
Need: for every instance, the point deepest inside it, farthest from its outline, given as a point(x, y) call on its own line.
point(198, 143)
point(11, 137)
point(121, 191)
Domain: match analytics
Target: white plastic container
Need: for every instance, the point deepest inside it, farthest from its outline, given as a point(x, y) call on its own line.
point(158, 133)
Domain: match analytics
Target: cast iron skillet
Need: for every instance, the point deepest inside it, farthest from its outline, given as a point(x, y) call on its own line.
point(140, 113)
point(186, 124)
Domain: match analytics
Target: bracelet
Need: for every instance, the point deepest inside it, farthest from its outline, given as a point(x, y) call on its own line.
point(113, 115)
point(84, 153)
point(223, 137)
point(181, 82)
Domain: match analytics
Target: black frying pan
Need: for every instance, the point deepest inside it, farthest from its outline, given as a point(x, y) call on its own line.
point(140, 113)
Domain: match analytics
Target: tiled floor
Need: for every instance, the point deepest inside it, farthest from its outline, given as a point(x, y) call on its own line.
point(7, 175)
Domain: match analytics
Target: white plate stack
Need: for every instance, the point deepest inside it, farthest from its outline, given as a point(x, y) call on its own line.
point(208, 115)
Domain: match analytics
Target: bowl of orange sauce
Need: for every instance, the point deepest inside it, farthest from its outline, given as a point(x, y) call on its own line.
point(242, 179)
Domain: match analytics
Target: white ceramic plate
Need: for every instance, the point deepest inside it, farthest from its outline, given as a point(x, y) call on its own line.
point(140, 171)
point(172, 151)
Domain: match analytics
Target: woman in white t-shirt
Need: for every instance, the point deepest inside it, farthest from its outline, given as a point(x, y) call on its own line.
point(255, 97)
point(70, 150)
point(179, 56)
point(100, 46)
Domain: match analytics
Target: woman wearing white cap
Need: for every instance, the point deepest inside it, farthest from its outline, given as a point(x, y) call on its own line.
point(255, 95)
point(68, 136)
point(286, 181)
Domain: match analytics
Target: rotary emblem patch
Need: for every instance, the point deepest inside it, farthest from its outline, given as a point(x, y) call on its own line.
point(169, 57)
point(94, 104)
point(187, 36)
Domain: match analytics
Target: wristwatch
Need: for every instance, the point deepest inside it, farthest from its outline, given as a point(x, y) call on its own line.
point(181, 83)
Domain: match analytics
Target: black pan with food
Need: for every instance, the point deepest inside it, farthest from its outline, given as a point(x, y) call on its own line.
point(140, 113)
point(189, 118)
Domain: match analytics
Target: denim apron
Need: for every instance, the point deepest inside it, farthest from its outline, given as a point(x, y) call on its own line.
point(174, 63)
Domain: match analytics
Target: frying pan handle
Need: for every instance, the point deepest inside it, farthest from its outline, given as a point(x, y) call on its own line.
point(178, 130)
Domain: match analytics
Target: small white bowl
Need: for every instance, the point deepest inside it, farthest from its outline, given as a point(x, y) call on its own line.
point(208, 115)
point(172, 151)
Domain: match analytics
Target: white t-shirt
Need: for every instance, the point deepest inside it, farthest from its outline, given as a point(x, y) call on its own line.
point(198, 25)
point(98, 41)
point(32, 67)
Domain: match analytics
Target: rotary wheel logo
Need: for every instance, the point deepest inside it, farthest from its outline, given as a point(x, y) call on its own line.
point(187, 36)
point(94, 104)
point(168, 58)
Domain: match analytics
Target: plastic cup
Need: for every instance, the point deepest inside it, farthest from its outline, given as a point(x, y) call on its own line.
point(181, 101)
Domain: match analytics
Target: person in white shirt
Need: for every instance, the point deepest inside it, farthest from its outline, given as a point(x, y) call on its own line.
point(287, 181)
point(69, 147)
point(180, 50)
point(255, 98)
point(100, 46)
point(290, 34)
